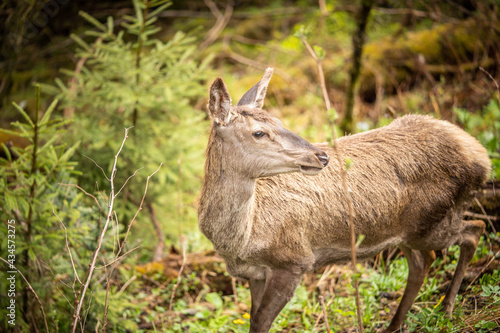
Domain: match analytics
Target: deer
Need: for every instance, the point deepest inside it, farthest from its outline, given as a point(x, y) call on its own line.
point(273, 206)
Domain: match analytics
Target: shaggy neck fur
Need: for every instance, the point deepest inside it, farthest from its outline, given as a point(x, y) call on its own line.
point(225, 212)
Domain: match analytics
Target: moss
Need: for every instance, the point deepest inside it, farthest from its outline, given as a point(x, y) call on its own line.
point(443, 48)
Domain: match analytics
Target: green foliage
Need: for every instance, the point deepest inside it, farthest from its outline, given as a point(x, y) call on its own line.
point(131, 79)
point(29, 180)
point(485, 126)
point(429, 320)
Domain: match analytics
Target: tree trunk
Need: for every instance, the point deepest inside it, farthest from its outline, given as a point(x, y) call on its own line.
point(358, 40)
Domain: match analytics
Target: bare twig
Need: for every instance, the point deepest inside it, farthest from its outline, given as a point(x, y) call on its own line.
point(67, 248)
point(159, 233)
point(122, 244)
point(322, 301)
point(106, 299)
point(117, 258)
point(64, 296)
point(343, 175)
point(89, 195)
point(213, 9)
point(76, 314)
point(179, 196)
point(328, 271)
point(183, 244)
point(222, 21)
point(128, 283)
point(30, 288)
point(494, 82)
point(235, 293)
point(322, 7)
point(484, 268)
point(486, 215)
point(481, 216)
point(70, 110)
point(126, 181)
point(319, 66)
point(253, 63)
point(97, 165)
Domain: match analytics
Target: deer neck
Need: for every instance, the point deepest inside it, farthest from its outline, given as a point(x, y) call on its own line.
point(225, 213)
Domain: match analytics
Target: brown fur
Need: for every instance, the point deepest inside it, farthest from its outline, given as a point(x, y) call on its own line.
point(409, 182)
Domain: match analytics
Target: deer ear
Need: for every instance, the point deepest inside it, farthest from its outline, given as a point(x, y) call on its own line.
point(219, 106)
point(254, 98)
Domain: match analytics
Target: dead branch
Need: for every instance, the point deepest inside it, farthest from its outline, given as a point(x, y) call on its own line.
point(484, 212)
point(70, 110)
point(343, 176)
point(30, 288)
point(235, 293)
point(122, 245)
point(159, 233)
point(494, 82)
point(183, 244)
point(222, 21)
point(481, 216)
point(76, 314)
point(68, 249)
point(252, 63)
point(323, 308)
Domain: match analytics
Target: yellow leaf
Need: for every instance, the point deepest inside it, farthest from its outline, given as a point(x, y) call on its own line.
point(439, 302)
point(238, 321)
point(246, 315)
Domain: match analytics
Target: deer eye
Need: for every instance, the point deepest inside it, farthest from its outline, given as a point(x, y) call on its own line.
point(258, 134)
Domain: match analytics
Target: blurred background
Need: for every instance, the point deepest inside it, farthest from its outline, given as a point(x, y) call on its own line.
point(74, 74)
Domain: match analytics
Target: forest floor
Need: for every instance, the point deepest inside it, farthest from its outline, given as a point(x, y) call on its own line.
point(208, 299)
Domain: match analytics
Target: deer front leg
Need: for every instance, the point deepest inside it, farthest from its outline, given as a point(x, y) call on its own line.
point(419, 263)
point(279, 288)
point(257, 288)
point(471, 234)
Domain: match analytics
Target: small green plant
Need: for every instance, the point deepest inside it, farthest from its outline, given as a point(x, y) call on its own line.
point(132, 79)
point(29, 179)
point(429, 320)
point(485, 126)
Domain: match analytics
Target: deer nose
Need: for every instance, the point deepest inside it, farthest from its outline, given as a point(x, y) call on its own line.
point(323, 158)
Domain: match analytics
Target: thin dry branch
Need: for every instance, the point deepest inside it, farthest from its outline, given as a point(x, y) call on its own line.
point(68, 249)
point(122, 245)
point(117, 258)
point(183, 244)
point(322, 7)
point(319, 66)
point(76, 314)
point(484, 268)
point(486, 215)
point(222, 21)
point(30, 288)
point(235, 293)
point(494, 82)
point(160, 246)
point(343, 175)
point(138, 210)
point(126, 181)
point(70, 110)
point(89, 195)
point(481, 216)
point(128, 283)
point(97, 165)
point(255, 64)
point(323, 308)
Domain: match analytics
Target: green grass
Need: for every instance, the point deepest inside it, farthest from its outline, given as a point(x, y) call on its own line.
point(198, 308)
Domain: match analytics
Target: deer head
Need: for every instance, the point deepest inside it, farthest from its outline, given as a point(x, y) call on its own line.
point(253, 142)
